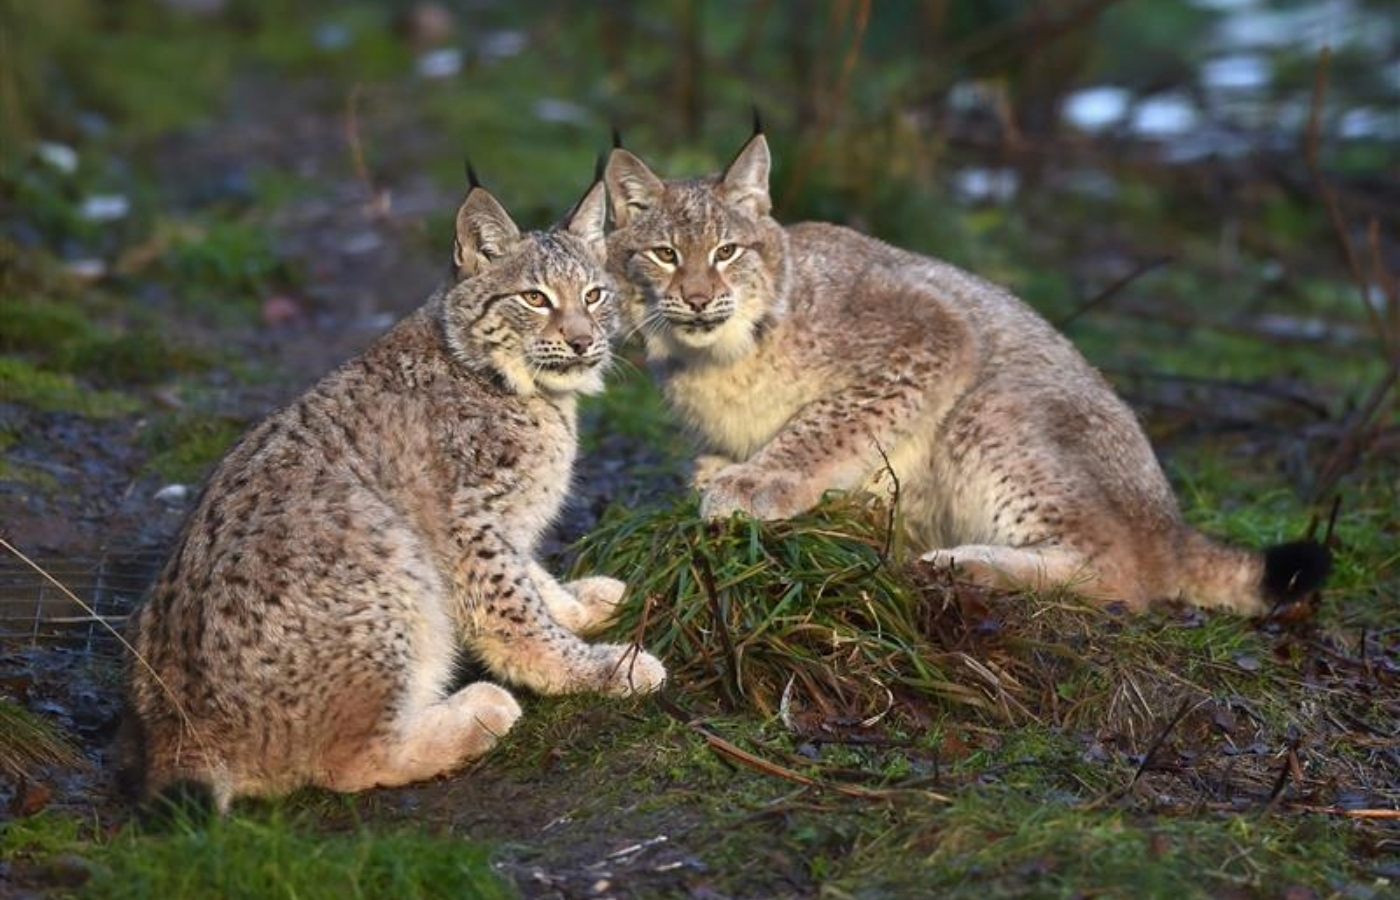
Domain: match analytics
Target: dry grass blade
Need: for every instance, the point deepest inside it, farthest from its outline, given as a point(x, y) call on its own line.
point(27, 742)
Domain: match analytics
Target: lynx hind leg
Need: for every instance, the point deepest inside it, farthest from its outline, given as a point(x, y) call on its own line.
point(1018, 568)
point(433, 739)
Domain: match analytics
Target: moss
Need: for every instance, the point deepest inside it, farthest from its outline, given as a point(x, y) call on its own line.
point(224, 268)
point(184, 447)
point(999, 842)
point(33, 477)
point(45, 391)
point(39, 326)
point(67, 338)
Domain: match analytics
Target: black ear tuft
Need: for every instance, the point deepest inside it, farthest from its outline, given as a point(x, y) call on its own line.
point(757, 120)
point(600, 165)
point(1294, 569)
point(472, 180)
point(616, 137)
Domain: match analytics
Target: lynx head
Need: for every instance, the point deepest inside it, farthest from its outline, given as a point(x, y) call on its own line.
point(535, 309)
point(701, 262)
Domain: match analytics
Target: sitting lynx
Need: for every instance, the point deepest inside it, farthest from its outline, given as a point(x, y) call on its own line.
point(306, 629)
point(814, 358)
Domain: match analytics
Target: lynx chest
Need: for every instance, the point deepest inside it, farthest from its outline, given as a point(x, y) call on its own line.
point(738, 407)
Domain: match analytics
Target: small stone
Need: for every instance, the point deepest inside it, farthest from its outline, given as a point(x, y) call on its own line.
point(443, 63)
point(60, 156)
point(30, 798)
point(105, 208)
point(86, 269)
point(331, 37)
point(428, 24)
point(172, 494)
point(279, 310)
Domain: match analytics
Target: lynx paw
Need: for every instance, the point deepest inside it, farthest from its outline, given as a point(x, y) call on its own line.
point(598, 597)
point(761, 494)
point(634, 671)
point(707, 466)
point(491, 707)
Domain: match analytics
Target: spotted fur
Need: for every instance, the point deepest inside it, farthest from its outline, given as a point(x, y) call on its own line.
point(837, 361)
point(306, 628)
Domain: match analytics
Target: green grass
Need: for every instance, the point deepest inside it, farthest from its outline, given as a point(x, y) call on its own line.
point(67, 337)
point(999, 842)
point(268, 855)
point(185, 446)
point(27, 385)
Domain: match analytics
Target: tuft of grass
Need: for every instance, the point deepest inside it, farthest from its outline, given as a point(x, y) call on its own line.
point(28, 385)
point(808, 619)
point(28, 742)
point(185, 447)
point(225, 267)
point(65, 339)
point(744, 607)
point(270, 855)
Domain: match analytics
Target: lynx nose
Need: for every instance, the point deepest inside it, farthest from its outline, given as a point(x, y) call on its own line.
point(697, 302)
point(579, 344)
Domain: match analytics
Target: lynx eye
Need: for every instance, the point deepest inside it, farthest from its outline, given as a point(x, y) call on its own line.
point(593, 297)
point(726, 252)
point(665, 255)
point(536, 300)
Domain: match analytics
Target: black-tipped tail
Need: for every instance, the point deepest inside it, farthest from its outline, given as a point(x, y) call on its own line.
point(1295, 569)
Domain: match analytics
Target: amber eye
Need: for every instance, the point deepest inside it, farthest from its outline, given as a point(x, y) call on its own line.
point(664, 254)
point(535, 299)
point(594, 296)
point(725, 252)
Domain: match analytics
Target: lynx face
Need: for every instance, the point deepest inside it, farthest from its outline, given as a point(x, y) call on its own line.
point(701, 258)
point(538, 308)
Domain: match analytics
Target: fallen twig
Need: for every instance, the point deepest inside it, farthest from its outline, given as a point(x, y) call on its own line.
point(756, 763)
point(1109, 292)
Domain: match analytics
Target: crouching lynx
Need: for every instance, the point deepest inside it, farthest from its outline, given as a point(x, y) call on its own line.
point(816, 358)
point(306, 629)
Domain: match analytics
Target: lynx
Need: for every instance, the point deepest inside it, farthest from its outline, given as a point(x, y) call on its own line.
point(306, 629)
point(813, 357)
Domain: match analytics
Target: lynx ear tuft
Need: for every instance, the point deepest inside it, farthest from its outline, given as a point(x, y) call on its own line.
point(745, 182)
point(589, 219)
point(632, 187)
point(472, 180)
point(485, 232)
point(757, 120)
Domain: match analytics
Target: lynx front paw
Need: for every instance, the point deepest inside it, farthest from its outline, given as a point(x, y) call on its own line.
point(758, 493)
point(634, 671)
point(598, 599)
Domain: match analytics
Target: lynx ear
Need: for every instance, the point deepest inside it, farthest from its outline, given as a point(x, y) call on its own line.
point(484, 232)
point(745, 182)
point(631, 185)
point(588, 219)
